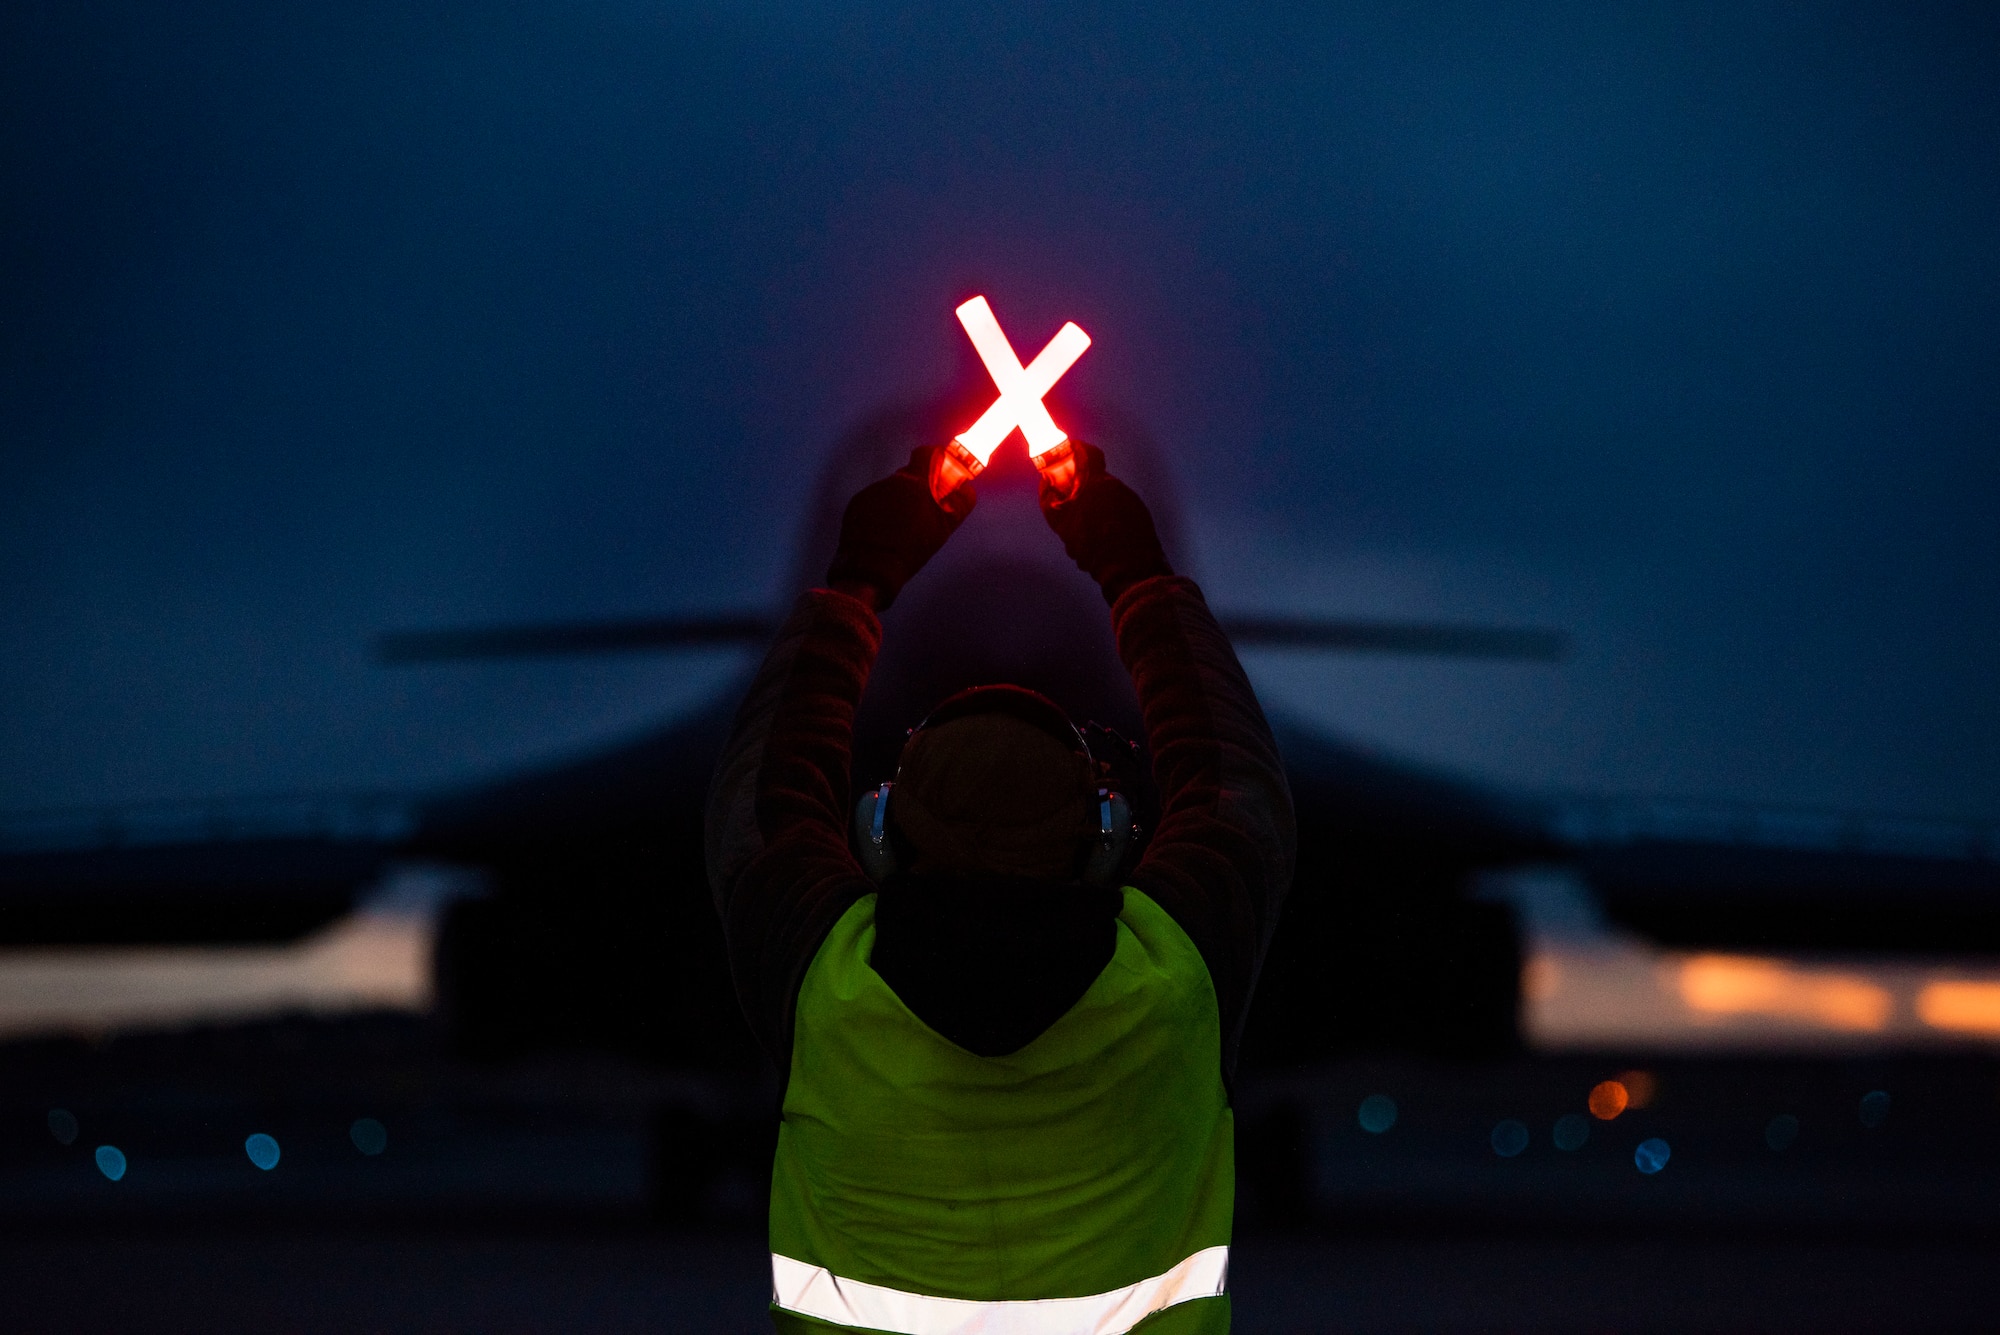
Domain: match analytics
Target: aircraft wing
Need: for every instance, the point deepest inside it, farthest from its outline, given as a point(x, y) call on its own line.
point(655, 634)
point(1705, 875)
point(269, 870)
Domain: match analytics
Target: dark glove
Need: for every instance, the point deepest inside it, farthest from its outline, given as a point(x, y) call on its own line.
point(1104, 526)
point(891, 528)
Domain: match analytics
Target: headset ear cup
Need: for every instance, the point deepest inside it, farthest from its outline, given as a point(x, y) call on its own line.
point(872, 848)
point(1114, 840)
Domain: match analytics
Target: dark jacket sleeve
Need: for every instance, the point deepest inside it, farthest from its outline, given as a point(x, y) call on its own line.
point(1221, 860)
point(779, 865)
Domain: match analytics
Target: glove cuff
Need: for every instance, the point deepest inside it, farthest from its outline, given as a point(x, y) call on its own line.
point(1118, 576)
point(851, 571)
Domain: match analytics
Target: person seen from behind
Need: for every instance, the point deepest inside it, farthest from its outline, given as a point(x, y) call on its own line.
point(1006, 1049)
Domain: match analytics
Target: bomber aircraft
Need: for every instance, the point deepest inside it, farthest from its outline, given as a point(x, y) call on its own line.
point(594, 928)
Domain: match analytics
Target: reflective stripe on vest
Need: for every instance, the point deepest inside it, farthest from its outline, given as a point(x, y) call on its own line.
point(814, 1291)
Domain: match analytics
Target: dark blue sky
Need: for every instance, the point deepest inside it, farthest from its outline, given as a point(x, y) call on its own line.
point(1674, 327)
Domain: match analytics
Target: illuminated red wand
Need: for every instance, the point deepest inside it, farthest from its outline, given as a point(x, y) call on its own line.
point(1019, 405)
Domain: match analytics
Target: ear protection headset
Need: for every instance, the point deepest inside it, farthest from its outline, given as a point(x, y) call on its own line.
point(1117, 831)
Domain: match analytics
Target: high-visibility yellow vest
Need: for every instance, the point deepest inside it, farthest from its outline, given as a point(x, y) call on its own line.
point(1083, 1185)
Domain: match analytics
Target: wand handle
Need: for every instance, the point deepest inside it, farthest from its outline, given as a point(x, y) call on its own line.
point(952, 466)
point(1058, 469)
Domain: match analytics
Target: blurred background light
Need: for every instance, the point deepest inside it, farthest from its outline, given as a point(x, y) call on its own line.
point(1588, 985)
point(1874, 1108)
point(63, 1125)
point(1782, 1132)
point(110, 1161)
point(1572, 1131)
point(1641, 1088)
point(1510, 1138)
point(1961, 1006)
point(1652, 1155)
point(1740, 984)
point(376, 958)
point(1377, 1114)
point(263, 1151)
point(1608, 1098)
point(369, 1136)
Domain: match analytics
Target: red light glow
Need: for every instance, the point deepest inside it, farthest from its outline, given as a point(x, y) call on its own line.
point(1021, 390)
point(1058, 468)
point(951, 468)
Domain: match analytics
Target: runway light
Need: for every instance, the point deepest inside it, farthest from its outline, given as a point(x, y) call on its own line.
point(1746, 985)
point(1607, 1099)
point(1963, 1007)
point(1572, 1131)
point(1377, 1114)
point(1019, 405)
point(1652, 1155)
point(1641, 1087)
point(263, 1151)
point(63, 1126)
point(369, 1136)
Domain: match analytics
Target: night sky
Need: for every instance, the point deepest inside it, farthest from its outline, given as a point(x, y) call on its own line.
point(1675, 328)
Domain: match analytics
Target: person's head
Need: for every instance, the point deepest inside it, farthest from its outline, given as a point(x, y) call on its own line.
point(997, 781)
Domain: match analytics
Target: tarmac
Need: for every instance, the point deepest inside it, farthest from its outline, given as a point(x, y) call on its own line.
point(411, 1191)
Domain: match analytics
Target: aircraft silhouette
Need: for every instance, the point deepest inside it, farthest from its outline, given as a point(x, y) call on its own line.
point(596, 928)
point(1001, 603)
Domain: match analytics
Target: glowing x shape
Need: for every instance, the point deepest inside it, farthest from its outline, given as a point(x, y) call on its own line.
point(1021, 388)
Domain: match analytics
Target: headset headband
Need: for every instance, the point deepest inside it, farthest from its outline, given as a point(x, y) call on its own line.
point(1116, 830)
point(1030, 707)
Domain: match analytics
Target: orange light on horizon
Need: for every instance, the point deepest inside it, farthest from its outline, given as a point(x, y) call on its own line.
point(1748, 985)
point(1960, 1006)
point(1607, 1099)
point(1021, 388)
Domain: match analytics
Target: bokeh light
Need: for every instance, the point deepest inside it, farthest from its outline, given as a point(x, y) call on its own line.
point(1377, 1114)
point(1608, 1098)
point(1782, 1132)
point(1572, 1130)
point(1652, 1155)
point(1961, 1006)
point(263, 1151)
point(371, 1137)
point(1641, 1088)
point(63, 1126)
point(111, 1161)
point(1746, 985)
point(1874, 1108)
point(1510, 1138)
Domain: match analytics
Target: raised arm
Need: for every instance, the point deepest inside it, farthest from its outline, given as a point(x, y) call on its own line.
point(1221, 860)
point(779, 866)
point(778, 861)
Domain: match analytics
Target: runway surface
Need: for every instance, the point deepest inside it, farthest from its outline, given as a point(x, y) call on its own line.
point(414, 1192)
point(470, 1283)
